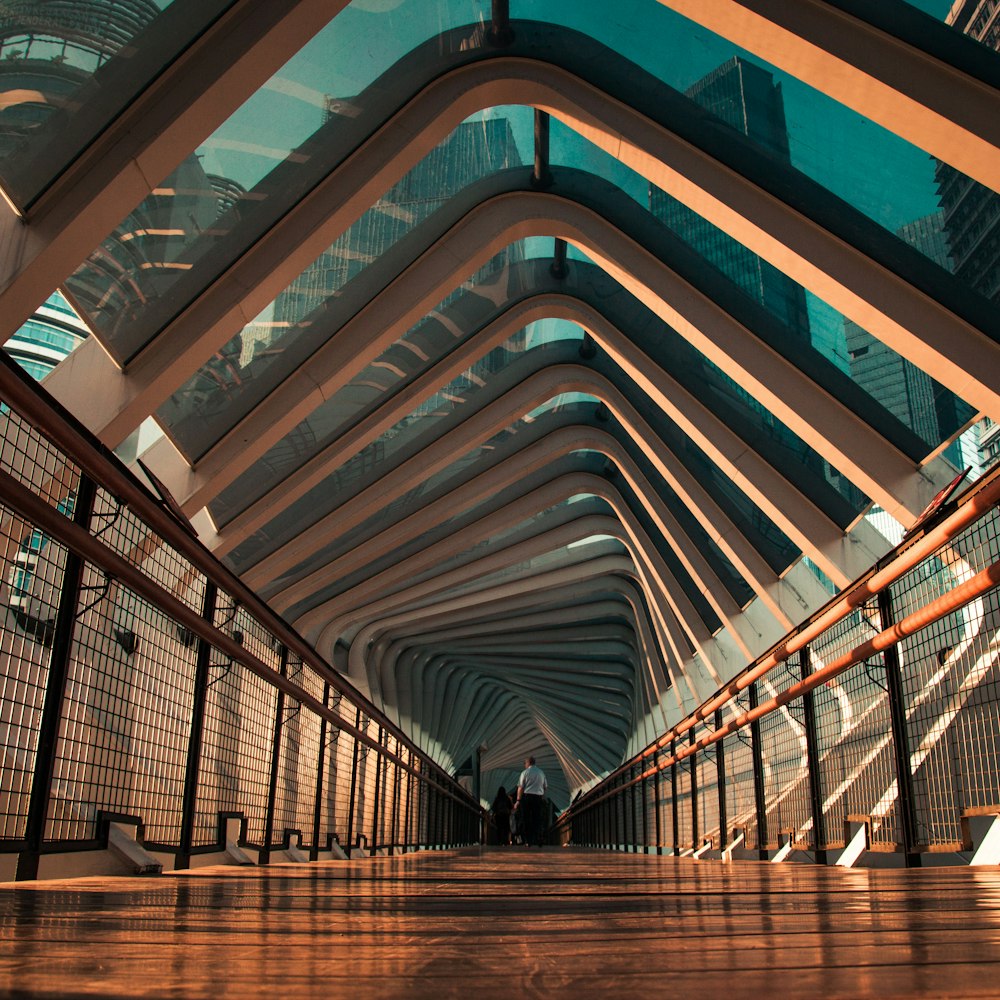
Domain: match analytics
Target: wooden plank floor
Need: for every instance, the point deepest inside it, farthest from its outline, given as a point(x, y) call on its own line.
point(507, 923)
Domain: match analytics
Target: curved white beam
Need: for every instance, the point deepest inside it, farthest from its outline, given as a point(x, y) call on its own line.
point(902, 316)
point(794, 514)
point(868, 461)
point(920, 98)
point(185, 102)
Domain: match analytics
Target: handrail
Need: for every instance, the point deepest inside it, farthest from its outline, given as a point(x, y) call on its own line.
point(975, 502)
point(44, 413)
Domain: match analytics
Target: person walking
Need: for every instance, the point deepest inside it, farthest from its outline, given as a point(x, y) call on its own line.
point(501, 816)
point(531, 788)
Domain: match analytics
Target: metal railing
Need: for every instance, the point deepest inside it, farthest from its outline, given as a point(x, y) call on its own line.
point(141, 680)
point(882, 710)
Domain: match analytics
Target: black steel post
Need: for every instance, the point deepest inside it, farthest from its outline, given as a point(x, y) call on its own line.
point(558, 268)
point(396, 782)
point(694, 793)
point(433, 817)
point(55, 693)
point(656, 802)
point(619, 821)
point(354, 781)
point(541, 177)
point(272, 788)
point(376, 804)
point(645, 816)
point(720, 770)
point(320, 768)
point(500, 32)
point(196, 736)
point(812, 759)
point(906, 803)
point(675, 815)
point(758, 777)
point(633, 795)
point(409, 803)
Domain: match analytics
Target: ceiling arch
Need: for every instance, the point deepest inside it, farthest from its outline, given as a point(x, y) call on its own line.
point(512, 569)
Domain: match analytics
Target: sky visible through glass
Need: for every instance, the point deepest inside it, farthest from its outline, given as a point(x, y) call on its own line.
point(874, 170)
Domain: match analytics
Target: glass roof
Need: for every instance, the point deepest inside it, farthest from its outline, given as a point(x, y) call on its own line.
point(442, 286)
point(67, 69)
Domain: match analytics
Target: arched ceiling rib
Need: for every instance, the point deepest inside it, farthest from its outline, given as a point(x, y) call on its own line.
point(499, 607)
point(820, 241)
point(818, 418)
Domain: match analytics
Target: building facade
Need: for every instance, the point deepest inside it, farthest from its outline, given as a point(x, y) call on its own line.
point(746, 98)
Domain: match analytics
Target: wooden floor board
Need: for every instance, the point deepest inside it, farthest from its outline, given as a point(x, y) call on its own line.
point(521, 923)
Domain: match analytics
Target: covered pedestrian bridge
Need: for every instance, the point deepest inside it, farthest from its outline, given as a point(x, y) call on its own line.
point(469, 381)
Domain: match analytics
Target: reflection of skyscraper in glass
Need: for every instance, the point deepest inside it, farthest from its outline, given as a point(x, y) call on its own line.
point(137, 263)
point(475, 149)
point(971, 210)
point(903, 389)
point(49, 49)
point(745, 97)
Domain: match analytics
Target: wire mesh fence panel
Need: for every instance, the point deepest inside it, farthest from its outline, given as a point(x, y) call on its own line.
point(298, 756)
point(344, 770)
point(649, 811)
point(683, 833)
point(235, 770)
point(832, 712)
point(126, 534)
point(386, 809)
point(33, 572)
point(258, 640)
point(645, 830)
point(378, 798)
point(707, 771)
point(664, 806)
point(419, 818)
point(364, 785)
point(633, 817)
point(859, 769)
point(641, 824)
point(126, 717)
point(34, 462)
point(740, 803)
point(951, 683)
point(786, 767)
point(621, 816)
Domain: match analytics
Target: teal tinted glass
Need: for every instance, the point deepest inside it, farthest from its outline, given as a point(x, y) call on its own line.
point(308, 312)
point(275, 148)
point(66, 69)
point(884, 178)
point(810, 325)
point(404, 366)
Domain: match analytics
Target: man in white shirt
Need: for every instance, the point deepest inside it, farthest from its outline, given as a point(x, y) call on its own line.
point(531, 788)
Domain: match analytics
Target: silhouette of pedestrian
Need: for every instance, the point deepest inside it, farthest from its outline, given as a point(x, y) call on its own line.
point(531, 788)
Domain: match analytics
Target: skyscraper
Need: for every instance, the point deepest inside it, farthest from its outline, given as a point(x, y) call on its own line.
point(971, 210)
point(746, 97)
point(903, 389)
point(53, 332)
point(473, 150)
